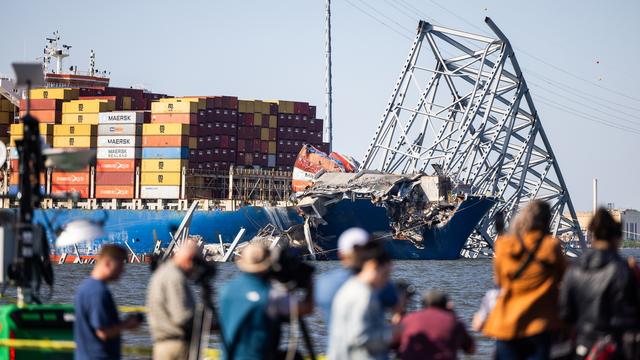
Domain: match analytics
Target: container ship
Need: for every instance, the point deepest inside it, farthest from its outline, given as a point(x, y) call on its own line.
point(157, 153)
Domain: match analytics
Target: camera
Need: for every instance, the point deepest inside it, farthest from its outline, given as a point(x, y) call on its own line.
point(289, 269)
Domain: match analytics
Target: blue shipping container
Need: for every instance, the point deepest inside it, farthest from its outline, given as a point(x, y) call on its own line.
point(165, 153)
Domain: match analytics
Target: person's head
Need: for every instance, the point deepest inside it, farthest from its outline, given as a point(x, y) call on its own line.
point(110, 262)
point(255, 258)
point(436, 299)
point(605, 230)
point(183, 257)
point(372, 264)
point(536, 216)
point(347, 241)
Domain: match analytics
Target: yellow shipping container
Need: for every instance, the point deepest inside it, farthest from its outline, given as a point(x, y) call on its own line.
point(18, 129)
point(157, 165)
point(258, 106)
point(74, 130)
point(165, 129)
point(182, 107)
point(202, 102)
point(160, 178)
point(55, 93)
point(88, 106)
point(89, 118)
point(5, 117)
point(264, 134)
point(272, 147)
point(12, 139)
point(74, 141)
point(245, 106)
point(285, 106)
point(266, 108)
point(193, 142)
point(273, 121)
point(126, 103)
point(257, 119)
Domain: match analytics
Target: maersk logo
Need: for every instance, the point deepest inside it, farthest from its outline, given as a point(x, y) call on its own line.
point(119, 141)
point(117, 151)
point(119, 117)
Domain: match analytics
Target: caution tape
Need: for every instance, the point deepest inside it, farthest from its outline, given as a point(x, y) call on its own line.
point(129, 309)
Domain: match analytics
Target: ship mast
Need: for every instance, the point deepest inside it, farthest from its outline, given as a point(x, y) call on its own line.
point(327, 79)
point(53, 51)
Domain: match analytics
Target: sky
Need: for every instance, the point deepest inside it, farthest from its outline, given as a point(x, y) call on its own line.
point(578, 58)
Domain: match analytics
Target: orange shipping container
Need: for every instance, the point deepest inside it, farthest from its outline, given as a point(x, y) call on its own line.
point(165, 141)
point(45, 116)
point(83, 190)
point(115, 178)
point(14, 178)
point(175, 118)
point(114, 192)
point(115, 165)
point(70, 178)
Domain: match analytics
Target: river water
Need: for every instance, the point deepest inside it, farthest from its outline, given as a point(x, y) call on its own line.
point(465, 281)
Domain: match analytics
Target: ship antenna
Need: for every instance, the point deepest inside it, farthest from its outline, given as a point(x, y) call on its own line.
point(327, 84)
point(92, 63)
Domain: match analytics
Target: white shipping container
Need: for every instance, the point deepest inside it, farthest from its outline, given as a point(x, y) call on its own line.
point(118, 153)
point(159, 192)
point(119, 129)
point(121, 117)
point(119, 141)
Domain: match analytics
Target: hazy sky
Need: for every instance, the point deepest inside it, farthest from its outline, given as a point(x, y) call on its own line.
point(585, 52)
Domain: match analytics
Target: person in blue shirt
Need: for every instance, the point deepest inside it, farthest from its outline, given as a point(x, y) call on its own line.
point(97, 327)
point(328, 284)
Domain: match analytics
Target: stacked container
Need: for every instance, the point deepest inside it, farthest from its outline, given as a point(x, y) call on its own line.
point(73, 136)
point(85, 111)
point(118, 154)
point(17, 131)
point(217, 135)
point(257, 123)
point(6, 118)
point(165, 144)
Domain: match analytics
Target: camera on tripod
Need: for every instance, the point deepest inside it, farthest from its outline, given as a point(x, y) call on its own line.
point(290, 270)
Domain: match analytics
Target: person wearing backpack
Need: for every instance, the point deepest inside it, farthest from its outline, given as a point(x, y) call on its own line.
point(599, 296)
point(528, 267)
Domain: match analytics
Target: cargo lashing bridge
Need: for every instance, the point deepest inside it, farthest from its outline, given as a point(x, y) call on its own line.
point(461, 108)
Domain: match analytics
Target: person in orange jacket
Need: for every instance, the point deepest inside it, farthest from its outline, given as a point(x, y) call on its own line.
point(528, 266)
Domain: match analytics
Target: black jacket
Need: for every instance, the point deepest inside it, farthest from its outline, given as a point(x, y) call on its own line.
point(599, 295)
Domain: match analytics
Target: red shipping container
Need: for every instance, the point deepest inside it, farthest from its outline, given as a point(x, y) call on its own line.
point(45, 116)
point(272, 134)
point(312, 111)
point(218, 102)
point(224, 141)
point(42, 104)
point(115, 178)
point(241, 146)
point(175, 118)
point(230, 102)
point(248, 119)
point(82, 190)
point(264, 147)
point(114, 192)
point(70, 178)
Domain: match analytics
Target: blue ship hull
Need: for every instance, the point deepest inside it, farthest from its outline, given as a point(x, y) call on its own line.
point(442, 242)
point(136, 227)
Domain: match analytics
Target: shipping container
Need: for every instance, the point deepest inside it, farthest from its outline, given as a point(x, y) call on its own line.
point(81, 190)
point(115, 165)
point(54, 93)
point(119, 141)
point(165, 153)
point(80, 118)
point(175, 118)
point(119, 129)
point(121, 117)
point(166, 129)
point(44, 116)
point(74, 130)
point(6, 118)
point(13, 190)
point(18, 129)
point(88, 106)
point(159, 165)
point(160, 192)
point(165, 141)
point(201, 101)
point(115, 192)
point(193, 142)
point(118, 153)
point(264, 134)
point(74, 141)
point(41, 104)
point(273, 121)
point(115, 178)
point(174, 107)
point(70, 178)
point(14, 177)
point(160, 178)
point(272, 147)
point(7, 106)
point(46, 139)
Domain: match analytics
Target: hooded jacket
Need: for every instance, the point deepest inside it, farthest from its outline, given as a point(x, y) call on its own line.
point(599, 296)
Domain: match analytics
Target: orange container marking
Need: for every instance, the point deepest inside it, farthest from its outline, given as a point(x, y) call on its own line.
point(114, 191)
point(115, 165)
point(70, 178)
point(175, 118)
point(83, 190)
point(165, 141)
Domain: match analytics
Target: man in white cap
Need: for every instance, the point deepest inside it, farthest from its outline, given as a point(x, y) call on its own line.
point(330, 282)
point(251, 308)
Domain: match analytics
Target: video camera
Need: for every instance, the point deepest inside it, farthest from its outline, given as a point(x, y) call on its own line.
point(290, 270)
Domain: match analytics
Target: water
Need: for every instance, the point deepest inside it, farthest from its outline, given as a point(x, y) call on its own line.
point(464, 280)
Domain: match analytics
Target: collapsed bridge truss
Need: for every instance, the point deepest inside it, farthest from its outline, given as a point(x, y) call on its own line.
point(461, 108)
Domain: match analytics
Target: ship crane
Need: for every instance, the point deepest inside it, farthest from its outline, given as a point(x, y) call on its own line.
point(461, 107)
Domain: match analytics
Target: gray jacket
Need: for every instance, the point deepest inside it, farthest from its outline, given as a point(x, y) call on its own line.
point(170, 304)
point(358, 327)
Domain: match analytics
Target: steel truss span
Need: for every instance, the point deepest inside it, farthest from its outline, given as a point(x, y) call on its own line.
point(461, 107)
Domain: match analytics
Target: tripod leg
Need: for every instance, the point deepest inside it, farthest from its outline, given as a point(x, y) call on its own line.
point(307, 339)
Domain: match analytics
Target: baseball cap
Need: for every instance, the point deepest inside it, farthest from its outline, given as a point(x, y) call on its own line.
point(350, 238)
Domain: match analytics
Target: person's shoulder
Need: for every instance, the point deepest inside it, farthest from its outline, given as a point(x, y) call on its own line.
point(334, 275)
point(92, 285)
